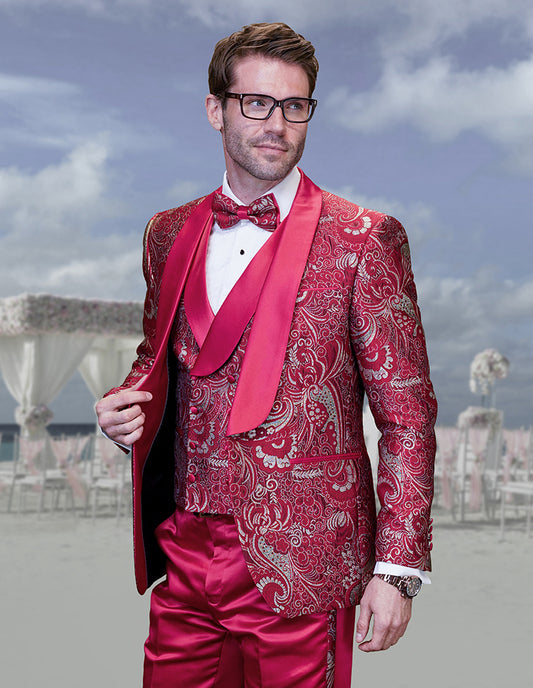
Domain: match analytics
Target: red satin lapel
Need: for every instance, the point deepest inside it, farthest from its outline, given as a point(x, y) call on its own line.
point(265, 351)
point(197, 307)
point(174, 276)
point(172, 283)
point(237, 309)
point(177, 268)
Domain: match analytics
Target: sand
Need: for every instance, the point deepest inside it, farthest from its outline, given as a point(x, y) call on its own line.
point(71, 617)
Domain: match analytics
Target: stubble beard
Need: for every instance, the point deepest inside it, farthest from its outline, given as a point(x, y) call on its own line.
point(242, 154)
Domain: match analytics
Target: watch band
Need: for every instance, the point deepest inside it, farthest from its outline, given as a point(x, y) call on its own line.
point(408, 586)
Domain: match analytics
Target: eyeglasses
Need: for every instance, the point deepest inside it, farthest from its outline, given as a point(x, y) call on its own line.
point(258, 106)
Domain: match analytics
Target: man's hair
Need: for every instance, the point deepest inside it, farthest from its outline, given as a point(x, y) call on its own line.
point(277, 41)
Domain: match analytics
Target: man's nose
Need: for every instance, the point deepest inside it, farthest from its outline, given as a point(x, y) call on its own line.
point(276, 123)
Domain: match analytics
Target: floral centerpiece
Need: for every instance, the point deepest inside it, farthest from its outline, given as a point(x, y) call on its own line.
point(33, 420)
point(487, 367)
point(480, 417)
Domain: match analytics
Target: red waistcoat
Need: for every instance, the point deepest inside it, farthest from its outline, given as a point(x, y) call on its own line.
point(336, 317)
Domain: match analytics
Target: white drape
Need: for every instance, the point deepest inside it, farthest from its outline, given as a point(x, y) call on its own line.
point(107, 363)
point(372, 436)
point(35, 368)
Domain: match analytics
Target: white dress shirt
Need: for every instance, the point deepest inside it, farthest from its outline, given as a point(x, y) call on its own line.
point(229, 251)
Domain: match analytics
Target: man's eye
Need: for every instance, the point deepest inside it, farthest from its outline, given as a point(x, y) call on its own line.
point(296, 105)
point(256, 102)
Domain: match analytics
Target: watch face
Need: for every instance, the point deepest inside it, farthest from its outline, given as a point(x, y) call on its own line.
point(413, 586)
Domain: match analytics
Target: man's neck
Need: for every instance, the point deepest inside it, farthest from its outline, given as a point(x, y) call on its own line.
point(248, 192)
point(284, 191)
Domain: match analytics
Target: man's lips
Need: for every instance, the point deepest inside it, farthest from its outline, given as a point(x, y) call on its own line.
point(271, 147)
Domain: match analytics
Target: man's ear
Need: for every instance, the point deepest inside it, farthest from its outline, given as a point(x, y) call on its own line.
point(213, 107)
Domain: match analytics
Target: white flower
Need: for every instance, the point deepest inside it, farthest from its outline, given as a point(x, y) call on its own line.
point(489, 365)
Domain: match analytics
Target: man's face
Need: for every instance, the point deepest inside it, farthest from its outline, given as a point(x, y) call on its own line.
point(262, 150)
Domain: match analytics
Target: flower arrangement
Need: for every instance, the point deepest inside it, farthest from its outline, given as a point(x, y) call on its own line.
point(489, 365)
point(35, 417)
point(480, 417)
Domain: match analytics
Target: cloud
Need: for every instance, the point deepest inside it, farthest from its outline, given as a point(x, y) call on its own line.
point(401, 28)
point(417, 27)
point(444, 102)
point(208, 12)
point(56, 193)
point(55, 114)
point(51, 237)
point(467, 315)
point(185, 190)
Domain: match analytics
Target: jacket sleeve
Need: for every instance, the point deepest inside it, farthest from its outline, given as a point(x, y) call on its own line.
point(145, 350)
point(390, 348)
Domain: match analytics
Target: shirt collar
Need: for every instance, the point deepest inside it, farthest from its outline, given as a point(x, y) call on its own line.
point(284, 192)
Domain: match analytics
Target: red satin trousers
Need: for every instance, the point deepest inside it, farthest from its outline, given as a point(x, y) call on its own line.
point(210, 627)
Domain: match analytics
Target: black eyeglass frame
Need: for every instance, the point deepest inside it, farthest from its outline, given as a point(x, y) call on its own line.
point(277, 103)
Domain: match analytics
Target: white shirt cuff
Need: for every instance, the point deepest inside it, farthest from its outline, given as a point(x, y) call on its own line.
point(127, 447)
point(398, 570)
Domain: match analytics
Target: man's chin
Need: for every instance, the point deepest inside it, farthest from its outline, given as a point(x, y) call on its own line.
point(272, 170)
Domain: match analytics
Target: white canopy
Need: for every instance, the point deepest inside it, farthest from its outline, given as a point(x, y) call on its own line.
point(44, 339)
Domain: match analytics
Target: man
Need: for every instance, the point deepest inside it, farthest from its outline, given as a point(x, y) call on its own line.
point(264, 327)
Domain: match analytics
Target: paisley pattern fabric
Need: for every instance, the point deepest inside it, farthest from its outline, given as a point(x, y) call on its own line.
point(263, 212)
point(300, 485)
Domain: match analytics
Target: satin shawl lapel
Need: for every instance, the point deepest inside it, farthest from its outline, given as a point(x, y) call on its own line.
point(178, 265)
point(195, 300)
point(173, 280)
point(229, 323)
point(265, 351)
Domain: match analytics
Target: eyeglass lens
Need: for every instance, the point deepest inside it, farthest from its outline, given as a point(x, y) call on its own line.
point(260, 107)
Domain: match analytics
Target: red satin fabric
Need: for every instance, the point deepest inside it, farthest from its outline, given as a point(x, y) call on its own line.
point(225, 329)
point(267, 345)
point(210, 627)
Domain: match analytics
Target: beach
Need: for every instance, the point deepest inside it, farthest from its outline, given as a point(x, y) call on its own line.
point(71, 616)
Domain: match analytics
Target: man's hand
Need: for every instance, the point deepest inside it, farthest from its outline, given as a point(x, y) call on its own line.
point(391, 615)
point(121, 417)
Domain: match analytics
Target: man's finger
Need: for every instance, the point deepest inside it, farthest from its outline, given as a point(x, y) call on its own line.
point(122, 399)
point(363, 623)
point(378, 639)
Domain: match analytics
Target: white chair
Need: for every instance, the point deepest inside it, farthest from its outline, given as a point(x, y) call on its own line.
point(492, 473)
point(35, 473)
point(110, 476)
point(69, 451)
point(445, 461)
point(517, 492)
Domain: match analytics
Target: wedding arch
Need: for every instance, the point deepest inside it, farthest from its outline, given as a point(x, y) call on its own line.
point(44, 339)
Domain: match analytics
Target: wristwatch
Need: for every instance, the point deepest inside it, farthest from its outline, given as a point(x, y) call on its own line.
point(409, 586)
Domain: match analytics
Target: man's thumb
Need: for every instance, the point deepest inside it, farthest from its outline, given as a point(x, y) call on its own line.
point(363, 624)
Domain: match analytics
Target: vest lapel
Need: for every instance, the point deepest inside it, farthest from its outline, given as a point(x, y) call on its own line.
point(194, 231)
point(197, 307)
point(229, 323)
point(265, 351)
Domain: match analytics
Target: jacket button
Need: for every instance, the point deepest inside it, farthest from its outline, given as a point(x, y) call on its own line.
point(192, 445)
point(194, 410)
point(191, 478)
point(231, 379)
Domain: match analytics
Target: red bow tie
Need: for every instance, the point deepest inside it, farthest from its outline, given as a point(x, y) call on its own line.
point(263, 212)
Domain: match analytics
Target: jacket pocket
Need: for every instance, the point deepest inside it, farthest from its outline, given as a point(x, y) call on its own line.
point(323, 458)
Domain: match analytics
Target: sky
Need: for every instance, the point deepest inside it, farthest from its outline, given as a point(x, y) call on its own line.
point(425, 112)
